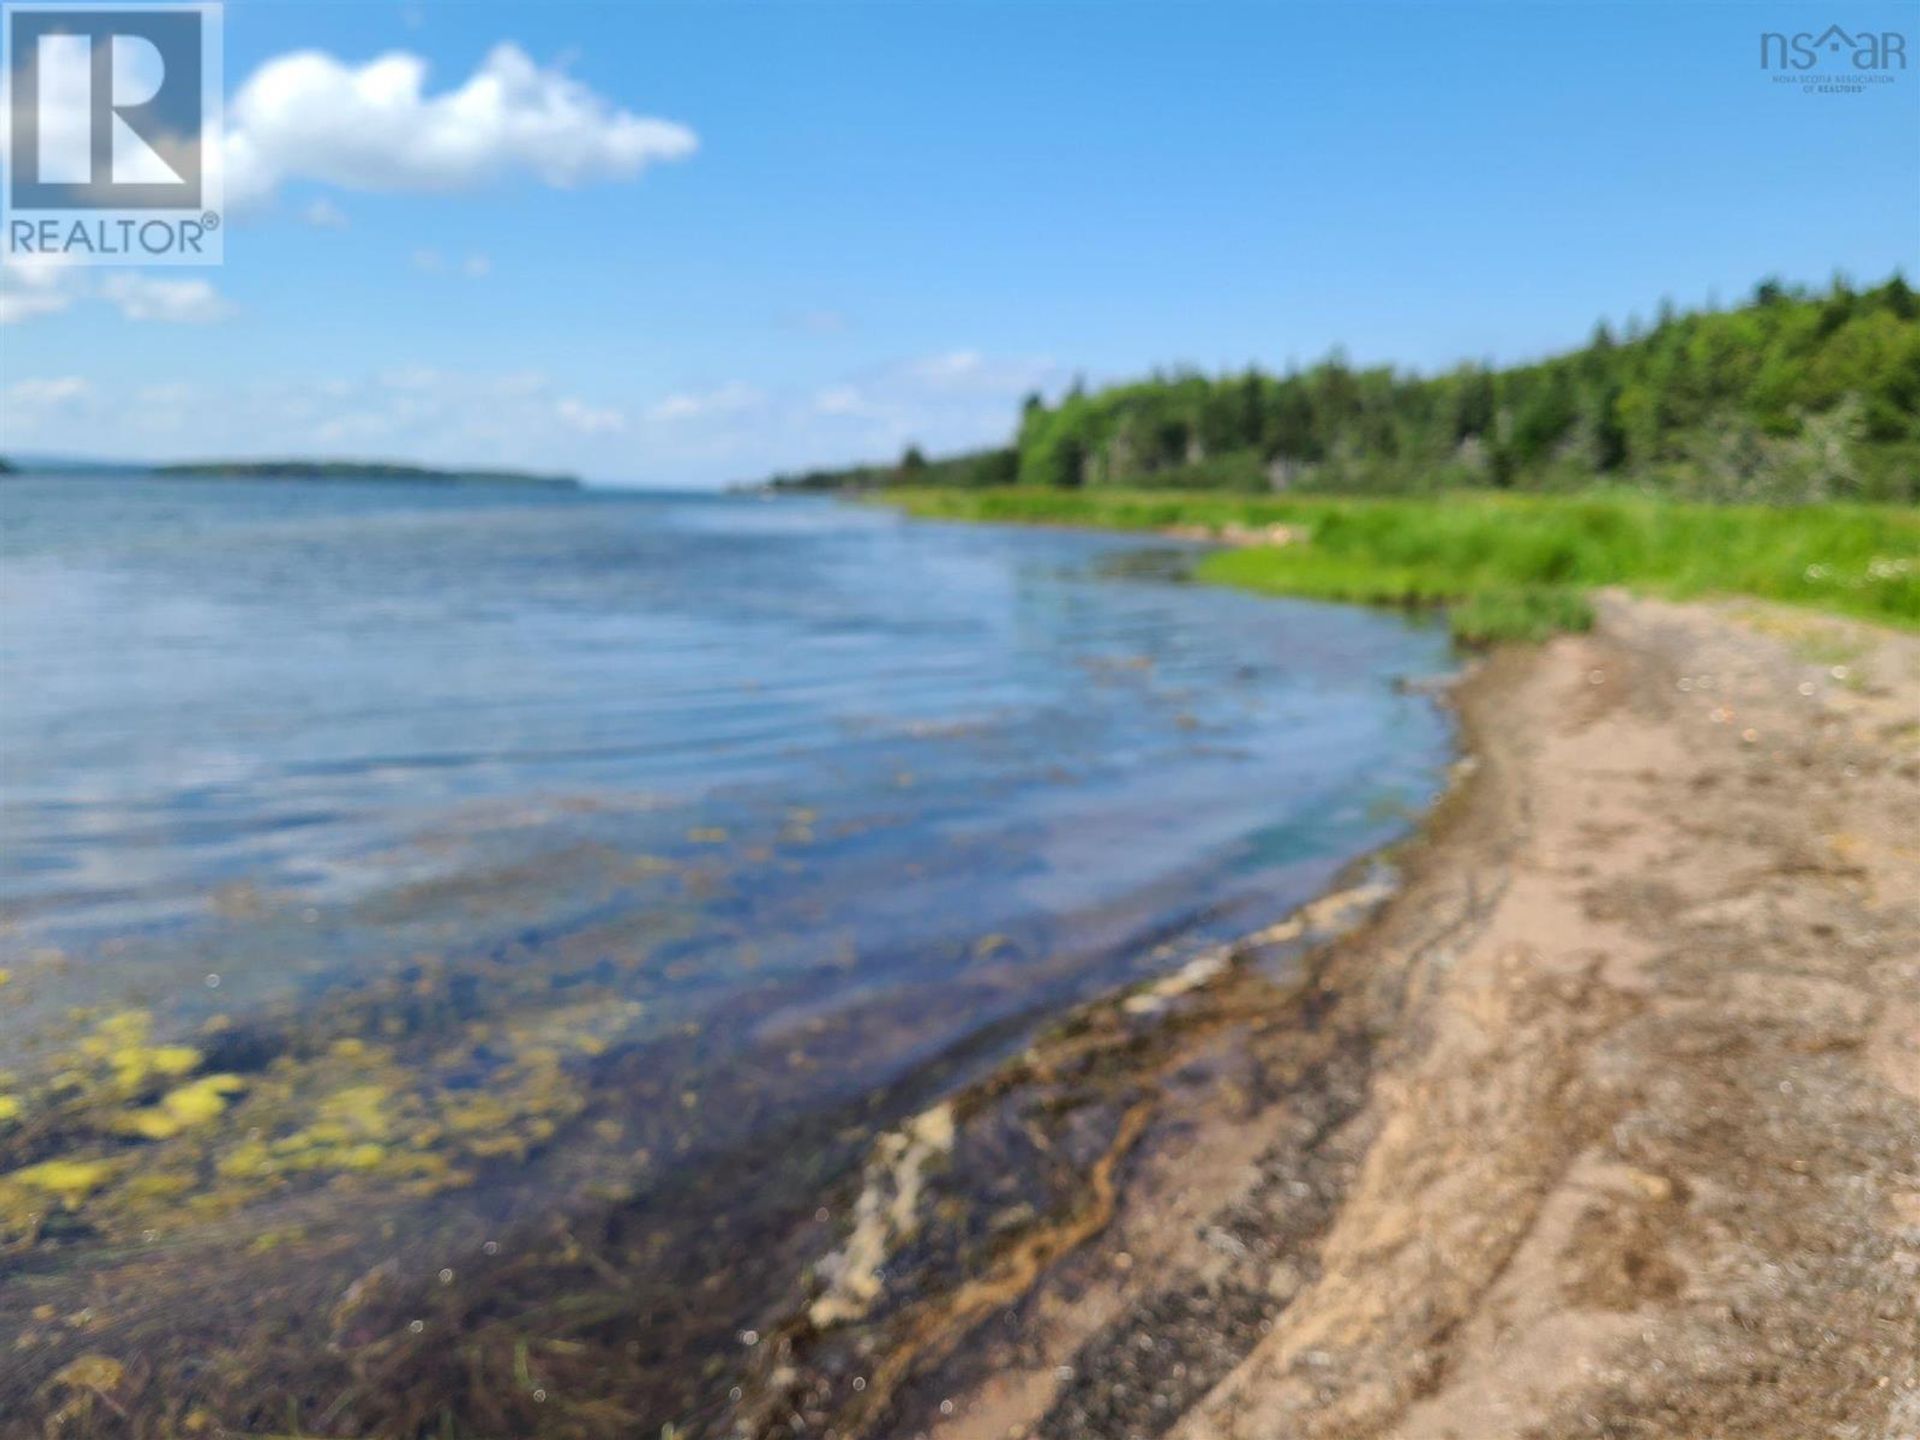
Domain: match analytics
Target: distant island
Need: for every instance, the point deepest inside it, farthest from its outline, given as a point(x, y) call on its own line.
point(356, 470)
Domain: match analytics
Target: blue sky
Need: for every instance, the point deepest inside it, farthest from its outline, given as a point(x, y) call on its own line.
point(862, 224)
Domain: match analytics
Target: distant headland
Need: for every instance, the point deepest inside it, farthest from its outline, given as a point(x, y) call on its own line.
point(384, 471)
point(356, 470)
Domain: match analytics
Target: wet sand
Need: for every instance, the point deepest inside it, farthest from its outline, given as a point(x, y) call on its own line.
point(1606, 1124)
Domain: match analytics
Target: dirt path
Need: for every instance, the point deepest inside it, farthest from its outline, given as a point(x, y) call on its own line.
point(1607, 1126)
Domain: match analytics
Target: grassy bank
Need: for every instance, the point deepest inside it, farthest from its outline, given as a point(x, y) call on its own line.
point(1507, 567)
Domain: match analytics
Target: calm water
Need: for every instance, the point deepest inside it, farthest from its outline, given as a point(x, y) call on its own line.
point(784, 802)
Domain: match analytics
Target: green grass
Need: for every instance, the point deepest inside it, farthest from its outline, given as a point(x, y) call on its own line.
point(1510, 567)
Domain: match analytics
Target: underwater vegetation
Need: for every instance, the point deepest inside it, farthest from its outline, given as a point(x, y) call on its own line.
point(517, 1189)
point(129, 1133)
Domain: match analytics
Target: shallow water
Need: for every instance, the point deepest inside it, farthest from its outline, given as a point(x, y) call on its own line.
point(524, 856)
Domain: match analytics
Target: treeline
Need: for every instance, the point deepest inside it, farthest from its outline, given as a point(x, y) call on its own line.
point(975, 469)
point(1793, 396)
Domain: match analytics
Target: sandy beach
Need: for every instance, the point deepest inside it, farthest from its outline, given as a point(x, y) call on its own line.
point(1606, 1123)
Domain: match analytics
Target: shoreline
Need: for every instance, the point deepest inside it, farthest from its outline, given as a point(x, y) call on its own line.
point(1412, 1157)
point(1516, 1156)
point(883, 1304)
point(516, 1121)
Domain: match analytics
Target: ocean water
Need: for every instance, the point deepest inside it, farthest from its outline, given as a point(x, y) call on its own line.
point(675, 829)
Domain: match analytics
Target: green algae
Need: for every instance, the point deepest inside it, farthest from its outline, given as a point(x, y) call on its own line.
point(317, 1147)
point(194, 1103)
point(120, 1043)
point(127, 1131)
point(70, 1181)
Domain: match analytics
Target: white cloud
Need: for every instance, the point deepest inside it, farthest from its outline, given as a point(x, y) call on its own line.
point(969, 370)
point(32, 285)
point(578, 415)
point(944, 402)
point(36, 272)
point(167, 411)
point(45, 408)
point(37, 409)
point(728, 399)
point(942, 393)
point(735, 431)
point(411, 378)
point(524, 382)
point(43, 285)
point(167, 392)
point(410, 412)
point(18, 306)
point(180, 302)
point(432, 262)
point(323, 214)
point(947, 368)
point(842, 400)
point(310, 116)
point(48, 394)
